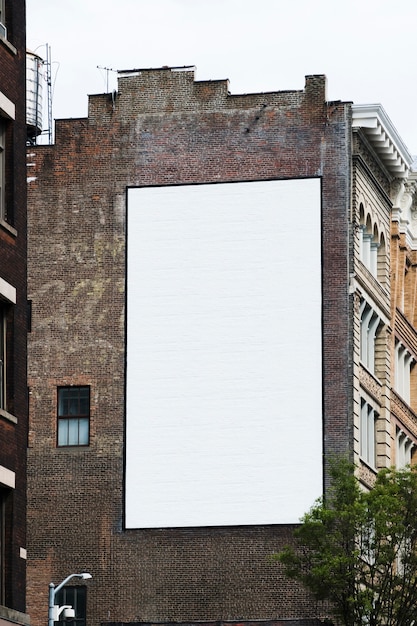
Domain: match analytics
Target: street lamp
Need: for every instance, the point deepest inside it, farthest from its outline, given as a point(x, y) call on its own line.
point(54, 610)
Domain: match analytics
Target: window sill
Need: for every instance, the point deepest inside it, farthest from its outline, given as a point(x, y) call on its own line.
point(371, 374)
point(8, 416)
point(368, 464)
point(6, 226)
point(74, 449)
point(8, 45)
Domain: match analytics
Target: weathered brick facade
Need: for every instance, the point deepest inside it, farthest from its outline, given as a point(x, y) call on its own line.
point(13, 307)
point(161, 128)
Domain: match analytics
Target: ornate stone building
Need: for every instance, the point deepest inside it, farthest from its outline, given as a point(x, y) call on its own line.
point(383, 281)
point(222, 298)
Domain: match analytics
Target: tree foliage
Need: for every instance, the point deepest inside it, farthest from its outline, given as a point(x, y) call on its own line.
point(358, 548)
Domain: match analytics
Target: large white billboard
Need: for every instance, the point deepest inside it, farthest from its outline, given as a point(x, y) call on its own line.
point(224, 354)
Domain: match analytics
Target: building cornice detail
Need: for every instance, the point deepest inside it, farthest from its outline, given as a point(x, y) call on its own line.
point(404, 207)
point(383, 137)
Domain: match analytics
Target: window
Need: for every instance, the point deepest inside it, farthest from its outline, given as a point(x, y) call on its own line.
point(2, 542)
point(3, 32)
point(73, 416)
point(367, 433)
point(75, 597)
point(5, 499)
point(369, 251)
point(2, 168)
point(404, 449)
point(2, 357)
point(404, 363)
point(371, 242)
point(370, 323)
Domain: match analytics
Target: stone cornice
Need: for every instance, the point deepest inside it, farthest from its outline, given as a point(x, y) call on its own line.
point(383, 137)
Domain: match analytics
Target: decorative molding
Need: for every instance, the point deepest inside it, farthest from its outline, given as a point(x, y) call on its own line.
point(370, 384)
point(404, 414)
point(383, 137)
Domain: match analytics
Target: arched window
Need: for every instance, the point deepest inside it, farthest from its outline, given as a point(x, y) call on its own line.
point(404, 449)
point(369, 243)
point(370, 323)
point(367, 433)
point(404, 363)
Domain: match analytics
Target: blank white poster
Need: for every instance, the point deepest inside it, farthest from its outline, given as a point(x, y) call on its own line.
point(224, 354)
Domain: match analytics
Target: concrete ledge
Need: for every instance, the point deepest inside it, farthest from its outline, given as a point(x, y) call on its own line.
point(10, 616)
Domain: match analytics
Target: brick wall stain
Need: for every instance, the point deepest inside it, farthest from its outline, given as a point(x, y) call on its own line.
point(161, 128)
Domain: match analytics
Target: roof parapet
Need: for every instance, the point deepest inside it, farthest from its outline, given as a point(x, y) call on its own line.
point(178, 68)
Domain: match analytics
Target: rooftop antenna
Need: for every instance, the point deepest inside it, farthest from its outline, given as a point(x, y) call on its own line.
point(107, 70)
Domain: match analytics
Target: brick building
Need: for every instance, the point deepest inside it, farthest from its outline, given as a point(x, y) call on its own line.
point(217, 304)
point(13, 306)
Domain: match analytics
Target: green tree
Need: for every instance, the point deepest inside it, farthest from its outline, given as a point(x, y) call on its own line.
point(357, 548)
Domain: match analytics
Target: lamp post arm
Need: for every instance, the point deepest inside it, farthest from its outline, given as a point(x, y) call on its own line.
point(64, 582)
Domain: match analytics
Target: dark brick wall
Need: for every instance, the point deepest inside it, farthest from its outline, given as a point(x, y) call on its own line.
point(13, 437)
point(162, 128)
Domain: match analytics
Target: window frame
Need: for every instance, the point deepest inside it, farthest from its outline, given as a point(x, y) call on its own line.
point(3, 496)
point(3, 213)
point(404, 363)
point(3, 12)
point(3, 356)
point(6, 494)
point(370, 324)
point(367, 434)
point(403, 449)
point(70, 419)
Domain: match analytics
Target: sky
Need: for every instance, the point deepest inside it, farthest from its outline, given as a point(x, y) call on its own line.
point(366, 48)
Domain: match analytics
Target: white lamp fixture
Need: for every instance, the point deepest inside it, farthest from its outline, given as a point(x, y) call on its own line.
point(54, 610)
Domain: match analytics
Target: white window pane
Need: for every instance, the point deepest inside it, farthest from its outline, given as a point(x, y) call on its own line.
point(374, 259)
point(63, 432)
point(371, 437)
point(367, 239)
point(72, 432)
point(364, 430)
point(83, 432)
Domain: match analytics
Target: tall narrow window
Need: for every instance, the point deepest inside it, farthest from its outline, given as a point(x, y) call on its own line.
point(404, 449)
point(4, 500)
point(3, 31)
point(2, 168)
point(73, 416)
point(404, 362)
point(369, 243)
point(75, 597)
point(2, 357)
point(368, 433)
point(370, 322)
point(2, 542)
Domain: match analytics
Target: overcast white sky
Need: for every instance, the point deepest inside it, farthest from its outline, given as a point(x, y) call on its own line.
point(366, 48)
